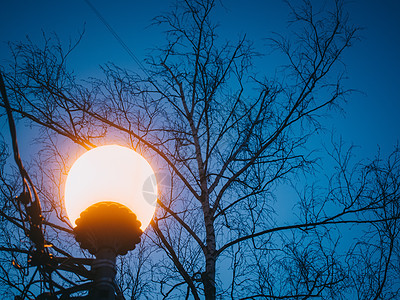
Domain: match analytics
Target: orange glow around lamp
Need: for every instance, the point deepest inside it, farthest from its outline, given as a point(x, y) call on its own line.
point(109, 203)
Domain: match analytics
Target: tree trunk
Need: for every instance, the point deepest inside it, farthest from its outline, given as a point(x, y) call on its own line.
point(208, 276)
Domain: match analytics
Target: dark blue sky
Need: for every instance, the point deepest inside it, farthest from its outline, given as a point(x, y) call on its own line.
point(373, 64)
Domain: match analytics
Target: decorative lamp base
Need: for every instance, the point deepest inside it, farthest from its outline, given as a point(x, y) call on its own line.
point(108, 225)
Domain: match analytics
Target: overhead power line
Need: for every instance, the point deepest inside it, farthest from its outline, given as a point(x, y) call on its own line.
point(117, 37)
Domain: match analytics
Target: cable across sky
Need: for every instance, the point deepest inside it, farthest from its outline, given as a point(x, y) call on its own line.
point(117, 37)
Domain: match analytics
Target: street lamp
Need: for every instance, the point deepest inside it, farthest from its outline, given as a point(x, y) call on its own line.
point(109, 202)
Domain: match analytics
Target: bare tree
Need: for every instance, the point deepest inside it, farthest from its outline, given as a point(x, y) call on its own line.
point(222, 140)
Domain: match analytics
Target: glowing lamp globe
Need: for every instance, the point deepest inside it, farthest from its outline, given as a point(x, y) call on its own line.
point(111, 174)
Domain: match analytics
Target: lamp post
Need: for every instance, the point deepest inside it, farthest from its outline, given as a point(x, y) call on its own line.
point(108, 208)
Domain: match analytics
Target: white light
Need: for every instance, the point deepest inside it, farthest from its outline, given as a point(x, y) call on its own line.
point(111, 173)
